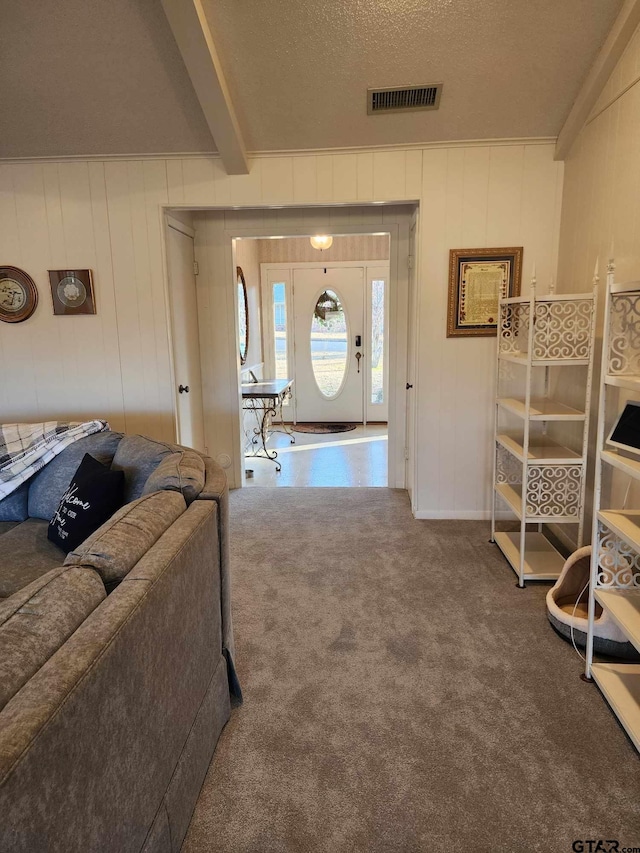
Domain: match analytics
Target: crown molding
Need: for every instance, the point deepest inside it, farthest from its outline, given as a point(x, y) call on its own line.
point(303, 152)
point(411, 146)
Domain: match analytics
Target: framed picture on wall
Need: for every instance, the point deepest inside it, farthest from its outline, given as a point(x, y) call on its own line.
point(477, 279)
point(72, 292)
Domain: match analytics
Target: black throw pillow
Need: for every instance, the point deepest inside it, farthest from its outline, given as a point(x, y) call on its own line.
point(94, 494)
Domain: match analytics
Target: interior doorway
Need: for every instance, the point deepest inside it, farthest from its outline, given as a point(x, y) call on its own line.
point(218, 235)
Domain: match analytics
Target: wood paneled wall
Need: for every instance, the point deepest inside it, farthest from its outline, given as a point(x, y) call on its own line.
point(359, 247)
point(106, 215)
point(506, 196)
point(601, 210)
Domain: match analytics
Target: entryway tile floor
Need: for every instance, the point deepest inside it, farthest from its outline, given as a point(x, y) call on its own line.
point(355, 458)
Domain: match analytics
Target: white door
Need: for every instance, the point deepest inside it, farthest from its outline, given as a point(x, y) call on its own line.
point(186, 342)
point(329, 339)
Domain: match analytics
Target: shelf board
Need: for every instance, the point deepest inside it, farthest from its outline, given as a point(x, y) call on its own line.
point(541, 409)
point(622, 463)
point(624, 608)
point(515, 357)
point(550, 452)
point(512, 496)
point(625, 287)
point(630, 381)
point(541, 560)
point(548, 297)
point(521, 358)
point(620, 685)
point(625, 523)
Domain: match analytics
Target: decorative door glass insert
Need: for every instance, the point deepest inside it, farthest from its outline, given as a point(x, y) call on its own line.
point(280, 329)
point(377, 341)
point(329, 344)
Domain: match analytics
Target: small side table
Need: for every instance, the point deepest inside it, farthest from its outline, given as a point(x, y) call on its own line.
point(265, 400)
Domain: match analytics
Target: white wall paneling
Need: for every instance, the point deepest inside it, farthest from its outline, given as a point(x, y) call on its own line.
point(471, 197)
point(107, 215)
point(601, 209)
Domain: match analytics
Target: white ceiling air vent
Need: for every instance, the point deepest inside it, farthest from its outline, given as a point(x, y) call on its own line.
point(404, 98)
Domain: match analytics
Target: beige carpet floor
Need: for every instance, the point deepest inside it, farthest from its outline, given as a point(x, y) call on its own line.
point(401, 694)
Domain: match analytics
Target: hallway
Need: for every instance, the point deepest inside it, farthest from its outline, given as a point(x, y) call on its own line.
point(355, 458)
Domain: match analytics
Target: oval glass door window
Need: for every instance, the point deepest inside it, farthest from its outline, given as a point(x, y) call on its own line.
point(329, 344)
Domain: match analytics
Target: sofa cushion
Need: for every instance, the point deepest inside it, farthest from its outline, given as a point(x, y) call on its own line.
point(36, 621)
point(92, 497)
point(115, 548)
point(138, 456)
point(15, 507)
point(179, 472)
point(47, 487)
point(27, 554)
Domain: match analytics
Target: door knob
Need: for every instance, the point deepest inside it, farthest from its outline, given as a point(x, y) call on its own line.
point(358, 356)
point(183, 389)
point(409, 386)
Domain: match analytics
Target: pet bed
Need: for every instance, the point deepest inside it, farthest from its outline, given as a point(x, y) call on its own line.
point(564, 614)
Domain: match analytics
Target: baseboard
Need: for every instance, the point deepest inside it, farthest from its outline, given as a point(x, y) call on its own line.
point(461, 515)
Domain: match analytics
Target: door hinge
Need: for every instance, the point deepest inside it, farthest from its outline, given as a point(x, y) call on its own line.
point(196, 268)
point(410, 261)
point(406, 453)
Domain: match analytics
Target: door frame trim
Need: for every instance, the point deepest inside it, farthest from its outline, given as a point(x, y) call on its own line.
point(289, 221)
point(174, 223)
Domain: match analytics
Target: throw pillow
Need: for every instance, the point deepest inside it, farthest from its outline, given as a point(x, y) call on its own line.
point(94, 494)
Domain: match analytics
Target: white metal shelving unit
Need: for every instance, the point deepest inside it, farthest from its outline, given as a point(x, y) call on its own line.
point(538, 466)
point(615, 561)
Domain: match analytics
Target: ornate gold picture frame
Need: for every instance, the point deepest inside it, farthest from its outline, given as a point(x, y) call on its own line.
point(477, 278)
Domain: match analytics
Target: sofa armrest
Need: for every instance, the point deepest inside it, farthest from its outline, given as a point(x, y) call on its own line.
point(215, 481)
point(216, 489)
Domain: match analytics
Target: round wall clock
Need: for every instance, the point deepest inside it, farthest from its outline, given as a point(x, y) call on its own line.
point(18, 295)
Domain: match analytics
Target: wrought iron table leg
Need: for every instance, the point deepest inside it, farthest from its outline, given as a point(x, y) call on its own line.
point(261, 432)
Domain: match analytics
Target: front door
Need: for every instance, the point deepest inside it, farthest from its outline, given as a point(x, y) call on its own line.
point(329, 336)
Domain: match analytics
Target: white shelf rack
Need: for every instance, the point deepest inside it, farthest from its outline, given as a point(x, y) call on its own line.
point(539, 479)
point(615, 560)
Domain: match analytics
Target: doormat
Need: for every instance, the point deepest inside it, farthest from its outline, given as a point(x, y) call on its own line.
point(323, 428)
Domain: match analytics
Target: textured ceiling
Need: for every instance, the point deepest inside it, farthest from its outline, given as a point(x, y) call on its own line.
point(299, 71)
point(94, 77)
point(105, 76)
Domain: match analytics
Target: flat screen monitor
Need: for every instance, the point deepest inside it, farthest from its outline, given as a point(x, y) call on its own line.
point(626, 430)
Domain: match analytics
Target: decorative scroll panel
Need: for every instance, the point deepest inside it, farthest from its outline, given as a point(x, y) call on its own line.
point(562, 330)
point(618, 563)
point(554, 490)
point(624, 334)
point(514, 328)
point(508, 469)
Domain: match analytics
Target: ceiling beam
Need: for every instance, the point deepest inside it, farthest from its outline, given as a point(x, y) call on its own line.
point(619, 37)
point(195, 42)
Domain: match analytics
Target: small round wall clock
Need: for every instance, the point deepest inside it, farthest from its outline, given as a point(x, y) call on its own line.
point(18, 295)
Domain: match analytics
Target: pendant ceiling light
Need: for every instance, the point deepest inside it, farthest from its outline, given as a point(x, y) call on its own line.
point(321, 241)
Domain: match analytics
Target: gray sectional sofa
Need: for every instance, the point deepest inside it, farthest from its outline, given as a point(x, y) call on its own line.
point(116, 661)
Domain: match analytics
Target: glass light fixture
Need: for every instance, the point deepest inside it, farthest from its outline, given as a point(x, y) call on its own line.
point(321, 241)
